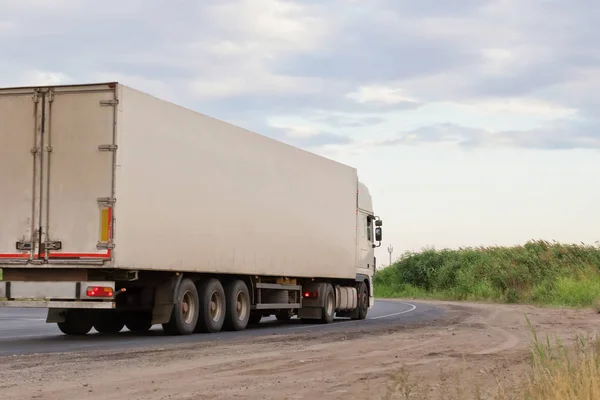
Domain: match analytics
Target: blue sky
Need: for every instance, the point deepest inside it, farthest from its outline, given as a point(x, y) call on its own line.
point(473, 122)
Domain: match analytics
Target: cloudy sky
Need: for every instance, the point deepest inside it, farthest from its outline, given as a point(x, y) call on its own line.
point(473, 122)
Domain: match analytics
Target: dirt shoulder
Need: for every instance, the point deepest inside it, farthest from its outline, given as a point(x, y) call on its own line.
point(473, 344)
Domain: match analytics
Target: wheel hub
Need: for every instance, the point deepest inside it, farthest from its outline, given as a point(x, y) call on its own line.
point(241, 306)
point(187, 307)
point(216, 306)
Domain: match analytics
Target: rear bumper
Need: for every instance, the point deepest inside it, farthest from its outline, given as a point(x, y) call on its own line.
point(24, 294)
point(101, 305)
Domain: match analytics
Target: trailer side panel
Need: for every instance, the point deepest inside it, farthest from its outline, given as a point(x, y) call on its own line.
point(198, 194)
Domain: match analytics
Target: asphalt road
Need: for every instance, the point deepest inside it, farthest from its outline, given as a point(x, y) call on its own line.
point(24, 331)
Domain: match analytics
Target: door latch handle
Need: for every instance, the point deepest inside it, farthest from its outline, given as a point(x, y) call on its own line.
point(53, 245)
point(24, 246)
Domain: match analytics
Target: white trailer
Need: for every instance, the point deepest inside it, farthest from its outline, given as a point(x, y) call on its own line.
point(120, 209)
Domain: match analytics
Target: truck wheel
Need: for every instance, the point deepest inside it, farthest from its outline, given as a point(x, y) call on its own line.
point(237, 308)
point(139, 322)
point(77, 322)
point(329, 307)
point(109, 322)
point(363, 302)
point(185, 310)
point(211, 315)
point(255, 318)
point(284, 315)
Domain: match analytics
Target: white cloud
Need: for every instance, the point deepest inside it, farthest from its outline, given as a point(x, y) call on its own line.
point(297, 131)
point(7, 26)
point(380, 94)
point(519, 106)
point(271, 25)
point(35, 78)
point(250, 79)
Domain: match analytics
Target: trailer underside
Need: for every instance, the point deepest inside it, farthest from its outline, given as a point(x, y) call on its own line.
point(183, 303)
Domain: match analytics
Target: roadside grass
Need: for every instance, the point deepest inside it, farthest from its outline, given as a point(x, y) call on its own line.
point(537, 272)
point(556, 372)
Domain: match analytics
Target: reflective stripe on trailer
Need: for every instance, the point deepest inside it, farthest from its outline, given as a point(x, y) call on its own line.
point(106, 255)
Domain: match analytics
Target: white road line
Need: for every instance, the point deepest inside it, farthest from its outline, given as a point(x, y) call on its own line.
point(30, 319)
point(23, 336)
point(413, 307)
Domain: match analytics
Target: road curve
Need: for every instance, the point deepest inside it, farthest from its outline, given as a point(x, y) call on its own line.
point(24, 331)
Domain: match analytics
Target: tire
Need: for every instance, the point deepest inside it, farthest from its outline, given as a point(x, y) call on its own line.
point(363, 302)
point(185, 310)
point(284, 315)
point(211, 316)
point(77, 323)
point(109, 323)
point(139, 322)
point(237, 305)
point(329, 307)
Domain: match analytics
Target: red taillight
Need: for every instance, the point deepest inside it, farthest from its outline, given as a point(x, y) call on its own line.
point(308, 295)
point(99, 291)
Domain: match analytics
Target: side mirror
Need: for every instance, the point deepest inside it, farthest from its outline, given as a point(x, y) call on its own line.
point(378, 231)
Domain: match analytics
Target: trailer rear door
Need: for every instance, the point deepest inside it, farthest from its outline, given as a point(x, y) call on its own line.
point(78, 200)
point(20, 121)
point(56, 173)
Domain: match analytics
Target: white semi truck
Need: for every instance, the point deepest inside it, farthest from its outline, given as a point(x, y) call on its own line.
point(118, 209)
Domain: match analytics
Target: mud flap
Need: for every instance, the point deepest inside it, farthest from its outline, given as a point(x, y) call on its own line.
point(164, 299)
point(56, 315)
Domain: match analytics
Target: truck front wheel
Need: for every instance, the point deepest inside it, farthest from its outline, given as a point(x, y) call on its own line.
point(363, 302)
point(329, 307)
point(185, 310)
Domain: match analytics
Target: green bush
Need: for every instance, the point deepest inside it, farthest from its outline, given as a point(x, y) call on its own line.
point(537, 272)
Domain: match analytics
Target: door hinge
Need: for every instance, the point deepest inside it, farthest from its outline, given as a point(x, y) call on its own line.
point(107, 103)
point(36, 96)
point(107, 200)
point(105, 246)
point(108, 147)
